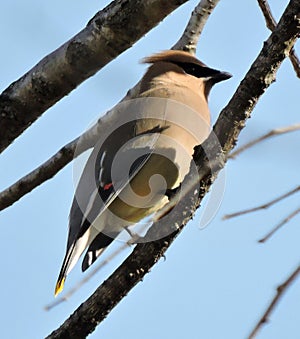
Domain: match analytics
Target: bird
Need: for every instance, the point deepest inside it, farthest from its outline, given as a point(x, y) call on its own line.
point(136, 164)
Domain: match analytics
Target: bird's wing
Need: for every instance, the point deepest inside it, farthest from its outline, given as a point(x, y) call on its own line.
point(97, 189)
point(96, 248)
point(99, 185)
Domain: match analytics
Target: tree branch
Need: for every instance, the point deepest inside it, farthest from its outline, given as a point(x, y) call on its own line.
point(272, 133)
point(263, 206)
point(109, 33)
point(281, 289)
point(36, 177)
point(194, 28)
point(271, 24)
point(67, 153)
point(227, 128)
point(279, 225)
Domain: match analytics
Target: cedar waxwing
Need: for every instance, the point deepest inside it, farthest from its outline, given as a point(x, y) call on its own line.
point(133, 167)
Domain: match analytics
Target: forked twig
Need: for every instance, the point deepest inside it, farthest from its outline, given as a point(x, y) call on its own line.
point(281, 289)
point(264, 206)
point(279, 225)
point(271, 24)
point(272, 133)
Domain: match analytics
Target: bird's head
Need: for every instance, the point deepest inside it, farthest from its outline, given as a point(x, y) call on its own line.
point(183, 63)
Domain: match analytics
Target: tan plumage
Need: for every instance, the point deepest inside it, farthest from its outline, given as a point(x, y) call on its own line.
point(167, 119)
point(172, 56)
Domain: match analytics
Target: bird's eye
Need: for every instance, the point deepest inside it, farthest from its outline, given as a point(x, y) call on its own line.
point(191, 69)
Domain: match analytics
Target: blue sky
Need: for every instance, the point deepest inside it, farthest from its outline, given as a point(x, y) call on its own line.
point(215, 282)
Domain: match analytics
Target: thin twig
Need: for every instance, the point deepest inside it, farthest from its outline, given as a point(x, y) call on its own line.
point(281, 289)
point(271, 24)
point(270, 20)
point(279, 225)
point(264, 206)
point(295, 61)
point(272, 133)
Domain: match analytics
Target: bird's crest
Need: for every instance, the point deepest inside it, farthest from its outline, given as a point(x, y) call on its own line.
point(173, 56)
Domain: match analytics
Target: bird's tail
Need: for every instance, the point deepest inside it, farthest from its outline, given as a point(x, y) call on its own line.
point(72, 256)
point(96, 248)
point(65, 268)
point(59, 284)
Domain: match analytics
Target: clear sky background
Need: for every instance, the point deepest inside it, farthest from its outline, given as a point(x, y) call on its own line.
point(216, 281)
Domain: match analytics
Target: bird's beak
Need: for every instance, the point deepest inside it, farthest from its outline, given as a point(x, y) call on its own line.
point(215, 77)
point(220, 76)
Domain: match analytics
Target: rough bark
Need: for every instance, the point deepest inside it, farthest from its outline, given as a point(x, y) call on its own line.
point(109, 33)
point(195, 26)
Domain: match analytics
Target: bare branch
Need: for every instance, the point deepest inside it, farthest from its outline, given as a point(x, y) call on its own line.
point(227, 128)
point(295, 62)
point(35, 178)
point(281, 289)
point(272, 133)
point(264, 206)
point(109, 33)
point(194, 28)
point(271, 24)
point(270, 20)
point(65, 155)
point(279, 225)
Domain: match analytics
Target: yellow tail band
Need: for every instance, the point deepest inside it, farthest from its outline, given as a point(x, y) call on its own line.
point(59, 286)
